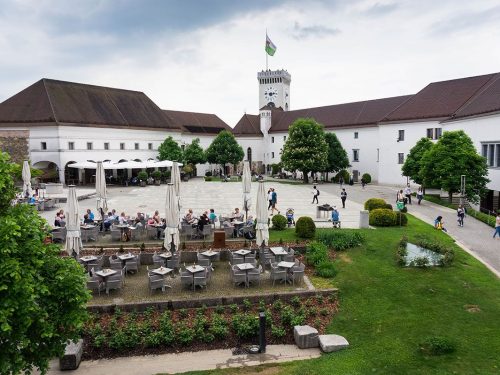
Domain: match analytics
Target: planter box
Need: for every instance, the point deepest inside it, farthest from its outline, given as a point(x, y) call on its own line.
point(143, 183)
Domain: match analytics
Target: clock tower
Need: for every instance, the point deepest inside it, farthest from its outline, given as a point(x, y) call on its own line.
point(274, 88)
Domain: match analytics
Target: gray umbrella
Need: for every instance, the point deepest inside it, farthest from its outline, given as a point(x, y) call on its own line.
point(100, 188)
point(262, 227)
point(175, 179)
point(26, 179)
point(73, 240)
point(171, 219)
point(247, 187)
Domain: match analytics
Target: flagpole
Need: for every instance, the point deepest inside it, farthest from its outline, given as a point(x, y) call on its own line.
point(265, 50)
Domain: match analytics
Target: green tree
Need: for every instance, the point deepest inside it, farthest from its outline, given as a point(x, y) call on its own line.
point(454, 155)
point(194, 154)
point(305, 149)
point(337, 156)
point(42, 295)
point(412, 166)
point(170, 150)
point(224, 149)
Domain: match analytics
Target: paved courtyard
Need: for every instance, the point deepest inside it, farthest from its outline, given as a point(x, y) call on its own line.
point(221, 196)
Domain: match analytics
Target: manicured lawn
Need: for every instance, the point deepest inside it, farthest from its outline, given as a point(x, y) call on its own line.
point(386, 311)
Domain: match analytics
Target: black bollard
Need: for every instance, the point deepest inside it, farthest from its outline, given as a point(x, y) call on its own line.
point(262, 332)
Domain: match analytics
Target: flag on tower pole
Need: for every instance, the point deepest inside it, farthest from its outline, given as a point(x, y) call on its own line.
point(270, 47)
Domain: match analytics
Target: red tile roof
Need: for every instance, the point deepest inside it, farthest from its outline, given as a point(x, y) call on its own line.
point(199, 123)
point(485, 101)
point(248, 125)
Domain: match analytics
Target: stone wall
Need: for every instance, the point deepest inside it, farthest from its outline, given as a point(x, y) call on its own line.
point(15, 143)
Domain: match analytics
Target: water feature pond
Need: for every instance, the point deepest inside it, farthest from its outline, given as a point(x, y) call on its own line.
point(416, 254)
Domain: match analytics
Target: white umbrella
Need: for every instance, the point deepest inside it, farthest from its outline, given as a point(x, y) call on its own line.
point(175, 179)
point(247, 187)
point(26, 179)
point(100, 188)
point(171, 219)
point(73, 240)
point(262, 228)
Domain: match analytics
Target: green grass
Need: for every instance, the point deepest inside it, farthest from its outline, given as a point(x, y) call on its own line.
point(386, 311)
point(287, 235)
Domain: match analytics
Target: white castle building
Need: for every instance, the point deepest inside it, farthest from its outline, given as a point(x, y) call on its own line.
point(57, 123)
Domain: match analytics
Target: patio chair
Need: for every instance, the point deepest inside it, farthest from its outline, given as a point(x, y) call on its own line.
point(201, 256)
point(114, 283)
point(132, 265)
point(92, 233)
point(186, 279)
point(201, 280)
point(296, 273)
point(158, 261)
point(173, 264)
point(229, 232)
point(209, 270)
point(250, 259)
point(268, 260)
point(135, 234)
point(291, 251)
point(207, 231)
point(278, 274)
point(150, 232)
point(238, 277)
point(289, 258)
point(94, 284)
point(116, 235)
point(156, 282)
point(204, 262)
point(59, 235)
point(93, 266)
point(254, 276)
point(237, 260)
point(115, 264)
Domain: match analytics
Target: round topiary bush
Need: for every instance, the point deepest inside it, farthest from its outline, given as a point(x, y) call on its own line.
point(305, 227)
point(156, 175)
point(382, 217)
point(279, 222)
point(366, 178)
point(143, 176)
point(388, 206)
point(344, 174)
point(374, 203)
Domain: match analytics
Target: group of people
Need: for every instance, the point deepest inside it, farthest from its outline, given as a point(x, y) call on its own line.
point(272, 197)
point(404, 195)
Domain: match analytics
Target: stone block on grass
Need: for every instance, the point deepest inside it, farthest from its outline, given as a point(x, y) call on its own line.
point(72, 356)
point(305, 337)
point(332, 343)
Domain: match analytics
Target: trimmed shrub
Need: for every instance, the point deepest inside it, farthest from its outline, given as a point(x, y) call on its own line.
point(326, 269)
point(208, 178)
point(436, 345)
point(166, 175)
point(374, 203)
point(366, 178)
point(344, 174)
point(279, 222)
point(208, 173)
point(403, 219)
point(143, 176)
point(305, 227)
point(340, 240)
point(382, 217)
point(156, 175)
point(316, 253)
point(388, 206)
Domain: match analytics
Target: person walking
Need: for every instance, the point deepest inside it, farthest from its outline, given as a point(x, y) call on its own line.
point(315, 193)
point(420, 195)
point(274, 200)
point(460, 215)
point(497, 226)
point(341, 181)
point(343, 197)
point(270, 198)
point(408, 193)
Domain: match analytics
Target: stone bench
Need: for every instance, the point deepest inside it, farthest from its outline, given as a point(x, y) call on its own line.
point(305, 337)
point(72, 356)
point(332, 343)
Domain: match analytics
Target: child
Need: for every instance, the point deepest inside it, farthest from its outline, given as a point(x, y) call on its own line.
point(335, 217)
point(438, 224)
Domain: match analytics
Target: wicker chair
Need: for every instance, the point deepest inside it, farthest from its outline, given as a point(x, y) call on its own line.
point(277, 274)
point(94, 284)
point(156, 282)
point(238, 277)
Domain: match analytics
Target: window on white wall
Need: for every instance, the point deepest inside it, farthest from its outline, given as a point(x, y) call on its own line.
point(122, 146)
point(272, 139)
point(430, 133)
point(401, 135)
point(150, 146)
point(355, 155)
point(71, 145)
point(491, 157)
point(356, 135)
point(272, 155)
point(498, 155)
point(89, 145)
point(106, 145)
point(438, 133)
point(43, 145)
point(136, 146)
point(491, 151)
point(401, 158)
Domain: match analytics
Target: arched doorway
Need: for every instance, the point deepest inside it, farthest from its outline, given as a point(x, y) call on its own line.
point(71, 176)
point(50, 171)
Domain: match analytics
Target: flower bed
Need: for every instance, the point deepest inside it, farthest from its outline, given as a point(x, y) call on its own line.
point(153, 332)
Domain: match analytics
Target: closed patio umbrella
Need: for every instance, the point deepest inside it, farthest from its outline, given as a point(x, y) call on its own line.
point(26, 179)
point(73, 240)
point(247, 187)
point(171, 219)
point(262, 227)
point(175, 179)
point(100, 188)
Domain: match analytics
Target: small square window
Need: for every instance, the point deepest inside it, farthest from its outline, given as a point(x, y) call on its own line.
point(272, 139)
point(122, 146)
point(401, 135)
point(43, 145)
point(150, 146)
point(356, 135)
point(71, 145)
point(430, 133)
point(89, 145)
point(439, 132)
point(272, 155)
point(355, 155)
point(136, 146)
point(401, 158)
point(106, 145)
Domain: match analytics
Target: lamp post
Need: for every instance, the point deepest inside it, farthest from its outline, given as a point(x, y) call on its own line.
point(462, 189)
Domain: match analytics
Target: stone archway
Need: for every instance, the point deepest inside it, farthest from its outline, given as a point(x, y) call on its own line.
point(50, 171)
point(71, 175)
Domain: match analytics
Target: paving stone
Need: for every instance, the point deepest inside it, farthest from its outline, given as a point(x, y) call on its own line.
point(332, 343)
point(305, 337)
point(72, 356)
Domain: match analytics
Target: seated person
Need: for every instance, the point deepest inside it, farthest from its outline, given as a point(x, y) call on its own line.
point(138, 223)
point(212, 216)
point(87, 219)
point(90, 214)
point(335, 217)
point(31, 200)
point(140, 216)
point(237, 215)
point(151, 221)
point(156, 217)
point(250, 220)
point(203, 220)
point(159, 228)
point(123, 219)
point(57, 220)
point(438, 224)
point(190, 218)
point(108, 221)
point(115, 216)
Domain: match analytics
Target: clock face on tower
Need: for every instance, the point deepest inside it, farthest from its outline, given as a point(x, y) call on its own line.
point(271, 94)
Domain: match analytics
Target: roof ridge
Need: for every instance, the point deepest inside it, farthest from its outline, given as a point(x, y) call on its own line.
point(50, 100)
point(112, 102)
point(476, 94)
point(360, 112)
point(398, 106)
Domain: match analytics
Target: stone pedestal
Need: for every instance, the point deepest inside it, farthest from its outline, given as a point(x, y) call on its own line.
point(332, 343)
point(72, 356)
point(305, 337)
point(364, 221)
point(54, 188)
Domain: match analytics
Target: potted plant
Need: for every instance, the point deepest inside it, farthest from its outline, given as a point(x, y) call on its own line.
point(157, 176)
point(187, 169)
point(143, 177)
point(166, 175)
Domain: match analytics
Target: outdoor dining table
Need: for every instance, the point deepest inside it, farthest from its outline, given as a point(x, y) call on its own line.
point(237, 225)
point(245, 267)
point(243, 253)
point(87, 226)
point(105, 273)
point(278, 252)
point(287, 266)
point(162, 271)
point(122, 228)
point(125, 257)
point(210, 254)
point(194, 269)
point(88, 258)
point(166, 255)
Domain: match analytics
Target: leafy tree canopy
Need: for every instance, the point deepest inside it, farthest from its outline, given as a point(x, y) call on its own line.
point(412, 166)
point(170, 150)
point(454, 155)
point(42, 295)
point(305, 149)
point(224, 149)
point(194, 154)
point(337, 156)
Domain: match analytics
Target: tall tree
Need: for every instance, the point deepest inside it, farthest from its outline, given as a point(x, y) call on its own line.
point(42, 295)
point(194, 154)
point(454, 155)
point(305, 149)
point(170, 150)
point(412, 166)
point(337, 156)
point(224, 149)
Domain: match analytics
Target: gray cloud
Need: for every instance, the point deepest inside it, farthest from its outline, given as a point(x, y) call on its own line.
point(381, 9)
point(464, 22)
point(318, 31)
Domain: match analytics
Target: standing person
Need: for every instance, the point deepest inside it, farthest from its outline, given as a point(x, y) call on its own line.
point(408, 193)
point(315, 193)
point(343, 197)
point(420, 195)
point(400, 196)
point(460, 215)
point(270, 198)
point(341, 181)
point(274, 200)
point(497, 226)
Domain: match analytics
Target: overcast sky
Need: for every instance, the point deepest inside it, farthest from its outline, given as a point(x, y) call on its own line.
point(204, 55)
